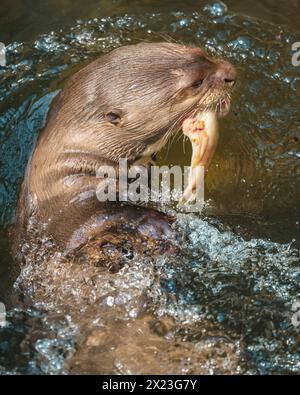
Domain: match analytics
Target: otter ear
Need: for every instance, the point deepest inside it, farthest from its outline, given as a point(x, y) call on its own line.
point(114, 117)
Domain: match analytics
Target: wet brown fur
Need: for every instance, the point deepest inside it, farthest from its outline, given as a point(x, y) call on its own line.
point(151, 87)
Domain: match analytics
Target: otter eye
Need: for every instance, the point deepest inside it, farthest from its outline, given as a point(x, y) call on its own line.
point(197, 84)
point(113, 117)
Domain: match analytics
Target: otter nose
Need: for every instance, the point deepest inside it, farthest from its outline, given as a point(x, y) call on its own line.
point(226, 73)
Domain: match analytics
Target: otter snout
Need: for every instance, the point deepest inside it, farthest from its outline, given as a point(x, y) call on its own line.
point(225, 74)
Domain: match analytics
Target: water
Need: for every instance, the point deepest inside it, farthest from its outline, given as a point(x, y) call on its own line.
point(224, 303)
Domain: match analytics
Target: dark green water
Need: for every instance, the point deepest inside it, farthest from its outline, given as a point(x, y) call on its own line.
point(224, 304)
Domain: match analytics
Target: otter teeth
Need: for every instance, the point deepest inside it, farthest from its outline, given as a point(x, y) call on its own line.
point(223, 107)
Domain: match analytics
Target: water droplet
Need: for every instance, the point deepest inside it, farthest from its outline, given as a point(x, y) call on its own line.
point(216, 9)
point(133, 313)
point(110, 301)
point(220, 317)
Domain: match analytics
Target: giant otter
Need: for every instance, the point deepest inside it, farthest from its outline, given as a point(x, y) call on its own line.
point(125, 104)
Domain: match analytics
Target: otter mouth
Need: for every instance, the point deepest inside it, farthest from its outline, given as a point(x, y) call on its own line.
point(222, 108)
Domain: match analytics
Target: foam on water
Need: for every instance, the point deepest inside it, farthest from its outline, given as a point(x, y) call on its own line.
point(219, 294)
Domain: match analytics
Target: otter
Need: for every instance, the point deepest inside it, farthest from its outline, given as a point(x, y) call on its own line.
point(126, 104)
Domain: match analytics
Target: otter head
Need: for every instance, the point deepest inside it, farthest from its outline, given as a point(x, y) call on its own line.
point(138, 95)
